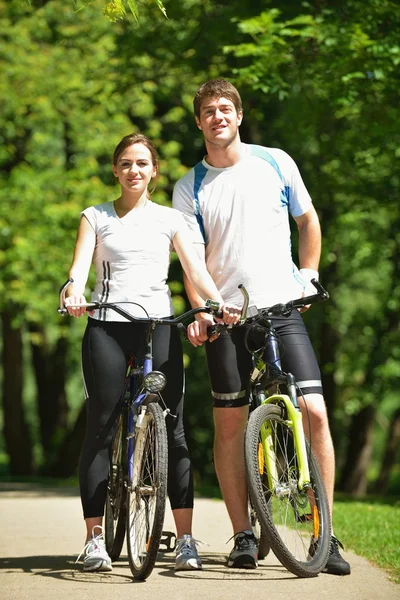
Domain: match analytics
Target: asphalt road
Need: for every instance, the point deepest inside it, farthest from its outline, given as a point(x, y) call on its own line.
point(41, 534)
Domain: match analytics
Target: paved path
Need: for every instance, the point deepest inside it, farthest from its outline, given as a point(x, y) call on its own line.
point(41, 533)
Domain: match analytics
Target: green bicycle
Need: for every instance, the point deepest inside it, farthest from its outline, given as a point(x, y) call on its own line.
point(286, 490)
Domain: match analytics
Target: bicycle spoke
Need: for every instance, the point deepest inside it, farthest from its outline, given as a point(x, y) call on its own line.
point(147, 493)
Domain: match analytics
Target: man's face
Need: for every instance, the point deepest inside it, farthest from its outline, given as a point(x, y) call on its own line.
point(219, 121)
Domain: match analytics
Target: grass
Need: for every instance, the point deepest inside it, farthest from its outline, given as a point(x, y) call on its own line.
point(371, 528)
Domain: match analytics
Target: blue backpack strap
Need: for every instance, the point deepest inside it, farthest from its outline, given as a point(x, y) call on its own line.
point(200, 171)
point(263, 153)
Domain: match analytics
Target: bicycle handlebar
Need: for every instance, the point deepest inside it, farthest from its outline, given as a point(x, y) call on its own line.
point(283, 310)
point(210, 307)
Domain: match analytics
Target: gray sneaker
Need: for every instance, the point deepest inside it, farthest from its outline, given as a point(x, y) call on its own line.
point(95, 554)
point(245, 551)
point(187, 558)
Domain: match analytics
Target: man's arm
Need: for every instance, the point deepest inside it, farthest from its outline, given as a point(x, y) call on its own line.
point(197, 331)
point(309, 239)
point(309, 247)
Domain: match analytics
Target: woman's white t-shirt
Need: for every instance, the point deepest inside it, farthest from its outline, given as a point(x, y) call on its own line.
point(132, 257)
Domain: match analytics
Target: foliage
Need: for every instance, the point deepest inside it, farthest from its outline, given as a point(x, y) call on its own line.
point(115, 10)
point(318, 81)
point(331, 74)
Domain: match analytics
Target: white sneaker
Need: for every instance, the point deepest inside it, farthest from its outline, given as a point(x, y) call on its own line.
point(95, 553)
point(187, 558)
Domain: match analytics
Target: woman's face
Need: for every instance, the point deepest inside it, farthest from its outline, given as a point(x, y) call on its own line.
point(135, 168)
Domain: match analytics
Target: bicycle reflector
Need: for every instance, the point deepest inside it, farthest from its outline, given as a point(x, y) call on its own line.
point(154, 381)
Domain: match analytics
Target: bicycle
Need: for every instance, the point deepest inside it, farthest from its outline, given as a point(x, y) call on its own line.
point(287, 493)
point(137, 483)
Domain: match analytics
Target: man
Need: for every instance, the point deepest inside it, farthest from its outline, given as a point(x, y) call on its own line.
point(237, 201)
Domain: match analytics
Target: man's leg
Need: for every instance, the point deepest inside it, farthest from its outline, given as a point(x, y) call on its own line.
point(298, 357)
point(230, 424)
point(229, 366)
point(316, 428)
point(316, 418)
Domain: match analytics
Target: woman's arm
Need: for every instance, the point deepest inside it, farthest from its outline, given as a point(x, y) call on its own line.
point(196, 272)
point(79, 271)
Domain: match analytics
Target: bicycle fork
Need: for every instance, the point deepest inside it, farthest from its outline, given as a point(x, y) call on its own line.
point(294, 421)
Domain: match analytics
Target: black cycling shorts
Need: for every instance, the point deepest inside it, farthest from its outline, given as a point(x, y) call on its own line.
point(229, 362)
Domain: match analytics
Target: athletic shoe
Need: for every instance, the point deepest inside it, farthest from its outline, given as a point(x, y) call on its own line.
point(187, 558)
point(336, 564)
point(245, 551)
point(95, 553)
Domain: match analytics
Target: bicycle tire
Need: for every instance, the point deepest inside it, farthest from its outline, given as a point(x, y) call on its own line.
point(115, 508)
point(296, 523)
point(147, 493)
point(263, 543)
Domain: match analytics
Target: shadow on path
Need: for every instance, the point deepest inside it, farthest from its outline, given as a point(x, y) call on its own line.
point(65, 568)
point(215, 567)
point(59, 567)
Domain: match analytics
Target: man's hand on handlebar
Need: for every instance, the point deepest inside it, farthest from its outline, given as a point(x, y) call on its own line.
point(197, 330)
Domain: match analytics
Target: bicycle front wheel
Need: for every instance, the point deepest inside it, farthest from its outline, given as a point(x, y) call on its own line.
point(115, 510)
point(296, 521)
point(147, 492)
point(263, 543)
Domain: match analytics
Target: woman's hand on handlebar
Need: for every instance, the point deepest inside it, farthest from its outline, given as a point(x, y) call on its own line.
point(75, 311)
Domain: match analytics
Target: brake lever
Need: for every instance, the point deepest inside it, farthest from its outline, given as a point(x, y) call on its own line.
point(183, 330)
point(61, 309)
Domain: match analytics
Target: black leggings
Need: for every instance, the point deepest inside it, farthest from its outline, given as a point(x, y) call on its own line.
point(106, 349)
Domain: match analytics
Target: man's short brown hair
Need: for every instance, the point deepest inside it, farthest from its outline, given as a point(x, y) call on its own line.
point(217, 88)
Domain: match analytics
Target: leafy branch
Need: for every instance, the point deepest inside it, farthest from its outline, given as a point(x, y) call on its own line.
point(115, 10)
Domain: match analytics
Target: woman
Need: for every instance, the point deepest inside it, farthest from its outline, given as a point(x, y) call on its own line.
point(129, 241)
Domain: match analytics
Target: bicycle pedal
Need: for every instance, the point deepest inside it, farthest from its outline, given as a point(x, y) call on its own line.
point(166, 541)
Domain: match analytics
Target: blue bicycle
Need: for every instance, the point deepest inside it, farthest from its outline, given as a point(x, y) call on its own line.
point(137, 484)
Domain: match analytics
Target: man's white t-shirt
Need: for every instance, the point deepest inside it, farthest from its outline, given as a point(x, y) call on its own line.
point(241, 214)
point(132, 257)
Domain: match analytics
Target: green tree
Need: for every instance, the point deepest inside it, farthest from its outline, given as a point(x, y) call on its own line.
point(333, 73)
point(319, 82)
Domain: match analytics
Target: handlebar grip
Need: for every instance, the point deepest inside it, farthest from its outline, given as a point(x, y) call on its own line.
point(321, 290)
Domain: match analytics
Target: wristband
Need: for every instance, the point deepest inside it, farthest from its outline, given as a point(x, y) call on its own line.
point(309, 274)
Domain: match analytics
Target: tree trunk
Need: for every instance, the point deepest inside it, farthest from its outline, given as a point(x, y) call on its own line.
point(389, 457)
point(327, 352)
point(50, 373)
point(354, 473)
point(68, 456)
point(16, 432)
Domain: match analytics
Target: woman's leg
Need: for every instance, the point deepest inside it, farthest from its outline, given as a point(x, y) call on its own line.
point(104, 366)
point(167, 351)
